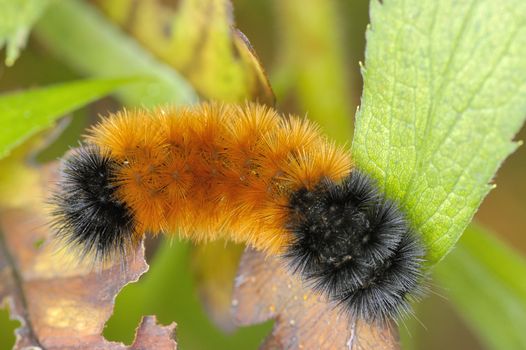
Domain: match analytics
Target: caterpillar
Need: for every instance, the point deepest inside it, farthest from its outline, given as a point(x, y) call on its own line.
point(247, 174)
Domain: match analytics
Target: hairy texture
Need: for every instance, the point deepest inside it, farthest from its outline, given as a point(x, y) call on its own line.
point(216, 171)
point(246, 174)
point(355, 246)
point(87, 212)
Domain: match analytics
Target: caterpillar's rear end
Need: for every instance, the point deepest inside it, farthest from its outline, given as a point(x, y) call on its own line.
point(247, 174)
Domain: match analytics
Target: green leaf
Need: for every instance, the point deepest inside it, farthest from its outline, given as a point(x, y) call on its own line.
point(444, 93)
point(16, 19)
point(79, 35)
point(25, 113)
point(485, 281)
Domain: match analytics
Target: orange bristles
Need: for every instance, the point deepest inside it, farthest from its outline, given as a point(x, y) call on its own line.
point(246, 174)
point(215, 170)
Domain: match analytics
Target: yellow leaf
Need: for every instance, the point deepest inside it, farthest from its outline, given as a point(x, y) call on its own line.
point(199, 39)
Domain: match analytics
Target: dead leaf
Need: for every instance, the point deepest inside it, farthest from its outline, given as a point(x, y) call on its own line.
point(63, 305)
point(199, 39)
point(265, 289)
point(150, 335)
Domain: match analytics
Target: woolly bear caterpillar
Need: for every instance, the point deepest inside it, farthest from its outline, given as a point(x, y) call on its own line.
point(247, 174)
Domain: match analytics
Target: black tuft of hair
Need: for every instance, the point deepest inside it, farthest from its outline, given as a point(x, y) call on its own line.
point(356, 247)
point(87, 213)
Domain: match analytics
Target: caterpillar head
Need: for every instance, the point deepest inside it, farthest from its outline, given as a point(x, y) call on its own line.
point(350, 241)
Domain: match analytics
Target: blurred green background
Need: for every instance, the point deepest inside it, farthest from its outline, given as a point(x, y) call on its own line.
point(311, 52)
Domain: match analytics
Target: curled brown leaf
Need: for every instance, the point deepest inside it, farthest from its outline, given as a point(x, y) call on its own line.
point(265, 290)
point(63, 305)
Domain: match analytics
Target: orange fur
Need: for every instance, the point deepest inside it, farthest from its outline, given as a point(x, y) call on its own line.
point(216, 170)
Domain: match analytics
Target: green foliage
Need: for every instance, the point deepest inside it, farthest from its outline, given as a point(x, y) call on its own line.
point(27, 112)
point(485, 281)
point(95, 47)
point(444, 93)
point(314, 62)
point(16, 19)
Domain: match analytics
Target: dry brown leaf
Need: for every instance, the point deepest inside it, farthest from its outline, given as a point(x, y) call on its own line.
point(265, 289)
point(63, 305)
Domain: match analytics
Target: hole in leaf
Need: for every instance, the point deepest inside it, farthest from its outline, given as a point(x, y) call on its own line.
point(167, 290)
point(7, 329)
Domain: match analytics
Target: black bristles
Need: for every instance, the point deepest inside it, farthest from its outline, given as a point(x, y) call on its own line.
point(356, 247)
point(86, 212)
